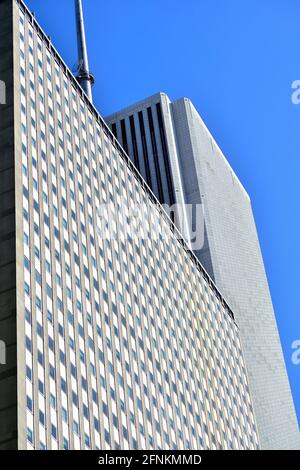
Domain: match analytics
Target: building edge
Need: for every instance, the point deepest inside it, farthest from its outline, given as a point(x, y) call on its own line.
point(8, 308)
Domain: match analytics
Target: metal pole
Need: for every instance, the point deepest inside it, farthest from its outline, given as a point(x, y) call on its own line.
point(84, 77)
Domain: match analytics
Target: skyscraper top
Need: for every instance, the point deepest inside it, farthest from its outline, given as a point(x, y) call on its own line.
point(85, 78)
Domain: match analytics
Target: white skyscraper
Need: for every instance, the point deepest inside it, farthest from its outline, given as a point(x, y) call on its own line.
point(120, 342)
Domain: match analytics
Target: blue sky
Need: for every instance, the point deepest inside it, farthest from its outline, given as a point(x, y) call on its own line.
point(236, 60)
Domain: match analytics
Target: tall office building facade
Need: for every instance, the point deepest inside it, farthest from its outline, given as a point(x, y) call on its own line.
point(185, 164)
point(118, 342)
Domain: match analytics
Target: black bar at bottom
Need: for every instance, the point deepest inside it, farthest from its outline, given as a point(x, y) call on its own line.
point(132, 459)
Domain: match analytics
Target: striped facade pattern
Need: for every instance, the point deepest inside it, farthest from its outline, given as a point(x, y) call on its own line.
point(121, 344)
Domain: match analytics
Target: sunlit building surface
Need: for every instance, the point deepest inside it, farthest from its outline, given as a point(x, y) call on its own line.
point(112, 343)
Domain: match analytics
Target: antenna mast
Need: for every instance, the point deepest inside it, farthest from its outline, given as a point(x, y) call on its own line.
point(84, 77)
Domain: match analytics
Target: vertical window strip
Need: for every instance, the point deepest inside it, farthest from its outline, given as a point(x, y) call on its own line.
point(134, 143)
point(145, 150)
point(155, 156)
point(166, 155)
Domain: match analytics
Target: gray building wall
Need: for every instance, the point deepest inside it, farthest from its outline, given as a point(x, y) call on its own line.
point(8, 372)
point(231, 255)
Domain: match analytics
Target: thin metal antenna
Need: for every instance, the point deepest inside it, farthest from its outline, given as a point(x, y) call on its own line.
point(84, 77)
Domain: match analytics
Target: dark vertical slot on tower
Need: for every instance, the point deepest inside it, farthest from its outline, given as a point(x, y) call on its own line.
point(114, 130)
point(145, 150)
point(155, 155)
point(134, 143)
point(124, 136)
point(165, 153)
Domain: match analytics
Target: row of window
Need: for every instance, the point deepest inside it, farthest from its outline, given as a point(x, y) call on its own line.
point(126, 344)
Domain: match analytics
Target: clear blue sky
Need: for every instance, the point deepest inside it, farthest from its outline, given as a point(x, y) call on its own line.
point(236, 60)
